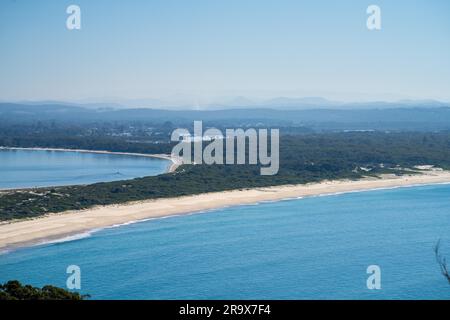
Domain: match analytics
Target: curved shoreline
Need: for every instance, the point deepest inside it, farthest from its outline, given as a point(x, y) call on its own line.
point(175, 162)
point(59, 225)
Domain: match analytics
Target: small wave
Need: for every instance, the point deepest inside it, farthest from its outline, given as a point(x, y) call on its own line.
point(4, 251)
point(127, 223)
point(70, 238)
point(87, 234)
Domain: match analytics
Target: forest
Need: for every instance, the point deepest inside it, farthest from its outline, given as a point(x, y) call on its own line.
point(303, 158)
point(14, 290)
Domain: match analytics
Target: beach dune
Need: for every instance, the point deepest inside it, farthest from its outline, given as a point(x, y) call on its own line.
point(54, 226)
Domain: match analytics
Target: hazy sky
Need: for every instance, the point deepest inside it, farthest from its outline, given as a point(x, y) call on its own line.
point(207, 49)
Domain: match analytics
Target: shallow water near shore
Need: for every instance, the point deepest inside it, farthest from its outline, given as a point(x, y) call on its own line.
point(39, 168)
point(311, 248)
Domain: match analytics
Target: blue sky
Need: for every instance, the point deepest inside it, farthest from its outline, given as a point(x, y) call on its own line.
point(213, 49)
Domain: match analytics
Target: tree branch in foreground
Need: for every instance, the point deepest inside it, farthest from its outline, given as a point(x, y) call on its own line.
point(441, 261)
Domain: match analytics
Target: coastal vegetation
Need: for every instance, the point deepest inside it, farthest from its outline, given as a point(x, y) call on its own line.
point(14, 290)
point(303, 158)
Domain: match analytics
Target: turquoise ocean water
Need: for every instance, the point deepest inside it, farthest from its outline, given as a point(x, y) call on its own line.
point(31, 168)
point(312, 248)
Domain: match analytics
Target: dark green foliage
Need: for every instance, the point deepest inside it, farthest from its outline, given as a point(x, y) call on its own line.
point(303, 159)
point(14, 290)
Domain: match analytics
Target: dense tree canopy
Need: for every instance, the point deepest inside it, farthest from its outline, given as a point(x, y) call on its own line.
point(14, 290)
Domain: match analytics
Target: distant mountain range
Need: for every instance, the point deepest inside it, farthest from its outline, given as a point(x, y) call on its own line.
point(241, 102)
point(408, 115)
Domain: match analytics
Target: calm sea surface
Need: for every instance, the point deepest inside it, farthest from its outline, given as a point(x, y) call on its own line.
point(312, 248)
point(31, 168)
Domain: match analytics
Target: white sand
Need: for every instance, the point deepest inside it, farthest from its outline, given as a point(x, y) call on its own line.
point(55, 226)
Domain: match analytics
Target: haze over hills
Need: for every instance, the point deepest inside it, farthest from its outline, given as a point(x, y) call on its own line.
point(237, 102)
point(407, 115)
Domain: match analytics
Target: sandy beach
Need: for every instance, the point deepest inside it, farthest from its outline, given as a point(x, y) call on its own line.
point(55, 226)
